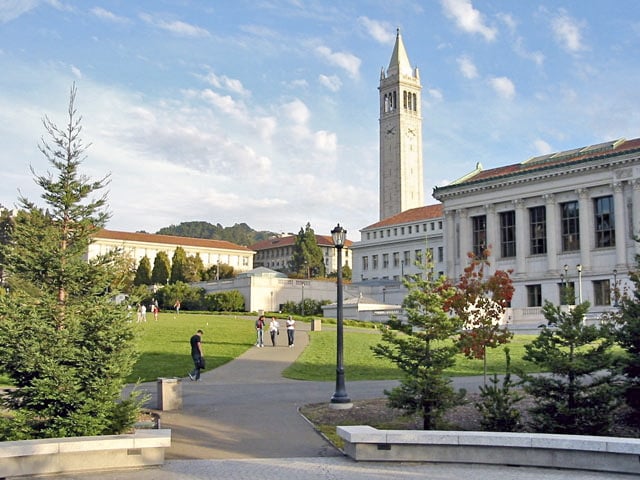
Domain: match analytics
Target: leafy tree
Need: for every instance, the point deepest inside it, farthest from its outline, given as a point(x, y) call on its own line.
point(178, 265)
point(191, 298)
point(218, 272)
point(161, 269)
point(230, 301)
point(423, 348)
point(124, 273)
point(143, 272)
point(628, 336)
point(307, 259)
point(480, 303)
point(66, 346)
point(193, 269)
point(579, 396)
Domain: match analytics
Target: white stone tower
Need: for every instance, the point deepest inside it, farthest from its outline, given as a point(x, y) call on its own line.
point(401, 173)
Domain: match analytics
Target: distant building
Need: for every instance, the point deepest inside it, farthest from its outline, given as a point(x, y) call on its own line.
point(276, 253)
point(138, 245)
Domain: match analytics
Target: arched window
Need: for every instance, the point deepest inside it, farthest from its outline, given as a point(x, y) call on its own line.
point(415, 103)
point(404, 99)
point(394, 104)
point(410, 103)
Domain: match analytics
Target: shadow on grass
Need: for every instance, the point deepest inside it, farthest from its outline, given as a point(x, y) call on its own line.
point(151, 366)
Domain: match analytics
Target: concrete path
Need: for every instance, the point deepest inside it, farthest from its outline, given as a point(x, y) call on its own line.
point(241, 422)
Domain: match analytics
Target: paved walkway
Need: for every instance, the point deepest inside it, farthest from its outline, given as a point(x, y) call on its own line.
point(241, 422)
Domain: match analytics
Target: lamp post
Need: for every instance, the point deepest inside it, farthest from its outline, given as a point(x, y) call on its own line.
point(579, 268)
point(615, 288)
point(566, 286)
point(563, 288)
point(340, 399)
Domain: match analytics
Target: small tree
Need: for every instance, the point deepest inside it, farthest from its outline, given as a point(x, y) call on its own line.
point(161, 269)
point(65, 345)
point(628, 336)
point(307, 259)
point(480, 303)
point(178, 265)
point(143, 272)
point(423, 348)
point(193, 269)
point(579, 396)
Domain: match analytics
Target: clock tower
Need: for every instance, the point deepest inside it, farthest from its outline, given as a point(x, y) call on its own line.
point(401, 175)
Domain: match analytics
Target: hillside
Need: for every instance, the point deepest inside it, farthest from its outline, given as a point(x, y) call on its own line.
point(240, 233)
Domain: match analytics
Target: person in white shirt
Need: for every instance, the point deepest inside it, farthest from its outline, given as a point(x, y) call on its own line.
point(291, 328)
point(274, 330)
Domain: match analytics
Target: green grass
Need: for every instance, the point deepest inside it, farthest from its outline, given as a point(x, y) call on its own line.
point(318, 361)
point(164, 345)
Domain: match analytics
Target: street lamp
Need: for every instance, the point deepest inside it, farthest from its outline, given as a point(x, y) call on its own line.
point(567, 286)
point(615, 288)
point(340, 399)
point(579, 268)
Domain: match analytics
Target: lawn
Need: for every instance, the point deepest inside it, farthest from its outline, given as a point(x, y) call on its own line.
point(164, 345)
point(318, 361)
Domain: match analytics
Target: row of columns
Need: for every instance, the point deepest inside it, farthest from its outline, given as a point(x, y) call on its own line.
point(458, 233)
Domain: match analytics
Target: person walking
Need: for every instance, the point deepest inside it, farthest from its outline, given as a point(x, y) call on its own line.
point(291, 328)
point(177, 307)
point(197, 355)
point(274, 330)
point(259, 331)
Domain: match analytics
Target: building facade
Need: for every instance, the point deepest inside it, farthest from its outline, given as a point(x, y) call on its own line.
point(276, 253)
point(139, 245)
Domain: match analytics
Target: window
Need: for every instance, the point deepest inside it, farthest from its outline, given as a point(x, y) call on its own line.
point(409, 227)
point(374, 261)
point(440, 225)
point(401, 230)
point(604, 222)
point(441, 254)
point(479, 225)
point(567, 293)
point(396, 259)
point(385, 260)
point(418, 256)
point(508, 234)
point(365, 263)
point(534, 295)
point(431, 257)
point(538, 230)
point(407, 257)
point(381, 233)
point(570, 216)
point(433, 226)
point(602, 292)
point(375, 235)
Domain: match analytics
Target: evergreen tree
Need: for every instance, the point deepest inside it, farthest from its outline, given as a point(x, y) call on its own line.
point(579, 396)
point(423, 349)
point(178, 265)
point(307, 259)
point(628, 336)
point(193, 269)
point(143, 272)
point(66, 346)
point(161, 269)
point(6, 228)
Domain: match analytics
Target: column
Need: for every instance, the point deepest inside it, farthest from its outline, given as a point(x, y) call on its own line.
point(493, 238)
point(635, 213)
point(586, 228)
point(450, 244)
point(552, 229)
point(521, 237)
point(465, 238)
point(621, 236)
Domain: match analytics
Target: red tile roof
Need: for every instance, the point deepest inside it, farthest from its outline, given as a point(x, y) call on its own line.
point(418, 214)
point(169, 239)
point(289, 240)
point(543, 162)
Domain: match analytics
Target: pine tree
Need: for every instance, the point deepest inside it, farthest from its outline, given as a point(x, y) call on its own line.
point(193, 269)
point(143, 272)
point(307, 259)
point(579, 395)
point(178, 265)
point(161, 269)
point(423, 349)
point(66, 346)
point(628, 336)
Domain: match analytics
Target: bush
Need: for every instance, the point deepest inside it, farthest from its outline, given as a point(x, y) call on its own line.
point(230, 301)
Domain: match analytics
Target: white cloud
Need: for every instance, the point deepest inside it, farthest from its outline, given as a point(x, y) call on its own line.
point(536, 57)
point(332, 82)
point(503, 86)
point(297, 111)
point(12, 9)
point(435, 94)
point(468, 18)
point(176, 27)
point(542, 147)
point(467, 67)
point(567, 32)
point(76, 72)
point(382, 32)
point(109, 16)
point(224, 82)
point(325, 141)
point(347, 61)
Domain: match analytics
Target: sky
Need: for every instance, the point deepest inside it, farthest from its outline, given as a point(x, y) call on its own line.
point(266, 112)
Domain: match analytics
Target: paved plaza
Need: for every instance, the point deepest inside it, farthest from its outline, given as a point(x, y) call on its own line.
point(241, 421)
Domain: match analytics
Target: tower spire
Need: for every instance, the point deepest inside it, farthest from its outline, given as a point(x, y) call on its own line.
point(399, 63)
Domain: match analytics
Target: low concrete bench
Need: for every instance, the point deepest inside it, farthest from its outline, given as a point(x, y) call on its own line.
point(142, 448)
point(606, 454)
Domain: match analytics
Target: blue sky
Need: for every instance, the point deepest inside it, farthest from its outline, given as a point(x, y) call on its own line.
point(266, 112)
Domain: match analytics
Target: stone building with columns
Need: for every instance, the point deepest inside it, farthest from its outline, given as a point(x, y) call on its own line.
point(563, 222)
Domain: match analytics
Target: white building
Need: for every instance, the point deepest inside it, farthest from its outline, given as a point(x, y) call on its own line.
point(138, 245)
